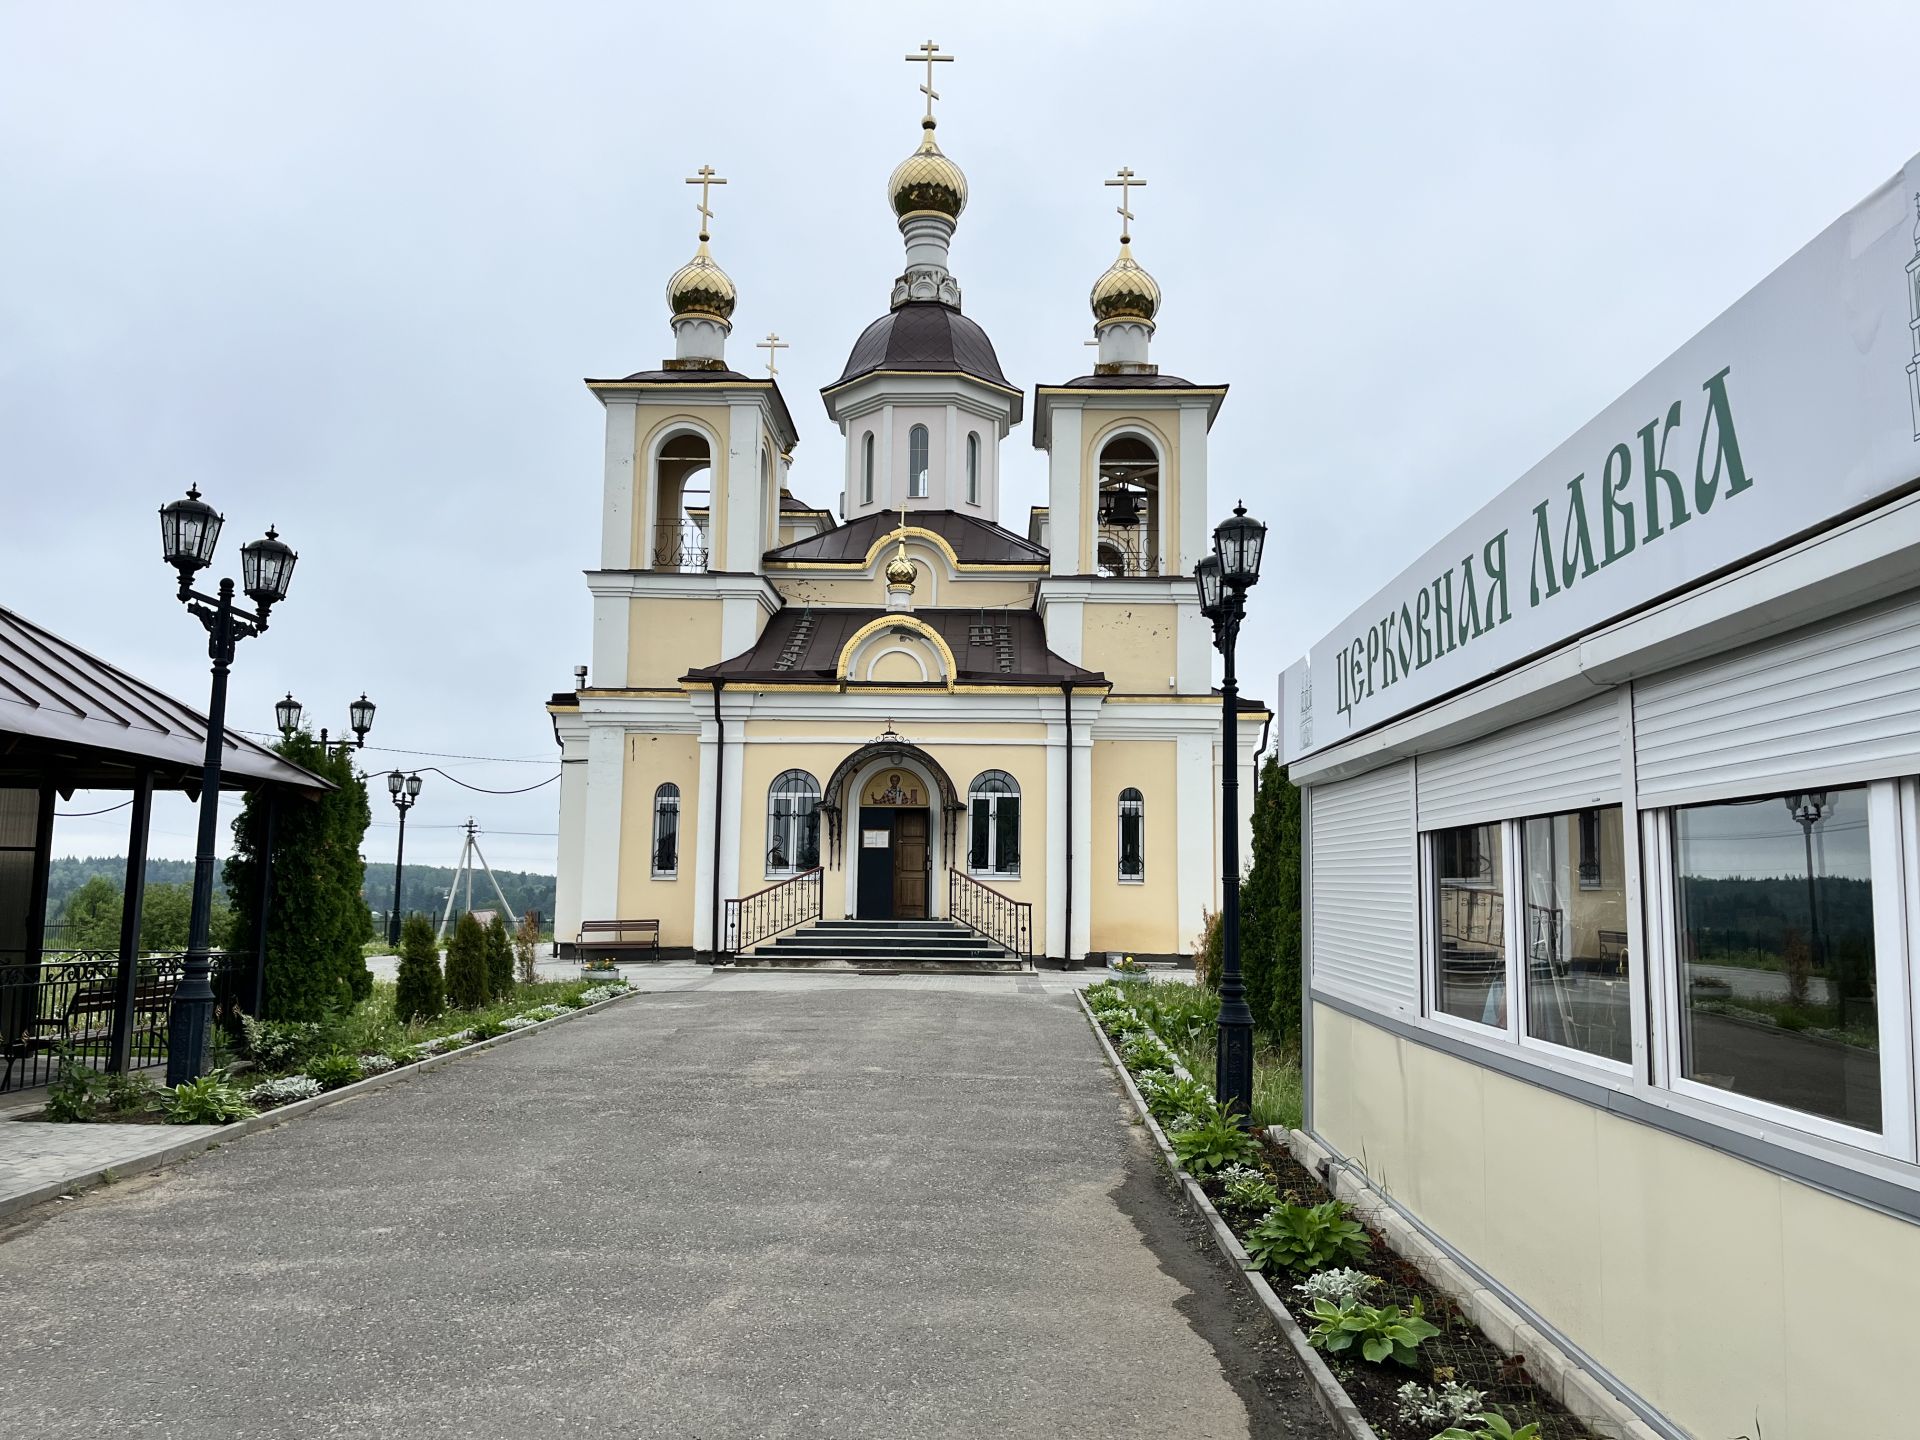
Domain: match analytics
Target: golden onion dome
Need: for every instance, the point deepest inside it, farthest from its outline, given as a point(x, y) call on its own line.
point(927, 180)
point(700, 287)
point(1125, 292)
point(900, 569)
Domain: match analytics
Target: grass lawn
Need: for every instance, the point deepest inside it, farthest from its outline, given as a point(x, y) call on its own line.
point(1185, 1016)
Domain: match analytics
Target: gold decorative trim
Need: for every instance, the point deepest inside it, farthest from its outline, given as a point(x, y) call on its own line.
point(884, 622)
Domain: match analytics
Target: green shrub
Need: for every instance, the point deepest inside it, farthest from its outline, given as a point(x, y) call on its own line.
point(127, 1094)
point(335, 1070)
point(1212, 1141)
point(210, 1100)
point(405, 1054)
point(1170, 1095)
point(1250, 1195)
point(1497, 1428)
point(1306, 1237)
point(279, 1044)
point(499, 960)
point(1270, 906)
point(1383, 1332)
point(487, 1030)
point(467, 965)
point(577, 1001)
point(70, 1097)
point(419, 989)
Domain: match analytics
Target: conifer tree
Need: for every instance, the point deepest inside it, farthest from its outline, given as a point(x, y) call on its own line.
point(420, 992)
point(467, 965)
point(1270, 906)
point(499, 960)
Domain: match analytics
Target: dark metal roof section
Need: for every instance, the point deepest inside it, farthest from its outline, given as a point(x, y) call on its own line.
point(1155, 381)
point(975, 541)
point(924, 335)
point(990, 647)
point(64, 710)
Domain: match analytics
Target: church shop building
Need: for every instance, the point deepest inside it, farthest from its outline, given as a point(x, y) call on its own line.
point(1612, 871)
point(900, 709)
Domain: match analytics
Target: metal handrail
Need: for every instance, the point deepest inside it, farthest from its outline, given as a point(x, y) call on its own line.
point(985, 911)
point(769, 911)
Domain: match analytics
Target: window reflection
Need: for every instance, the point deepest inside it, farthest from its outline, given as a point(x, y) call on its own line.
point(1471, 924)
point(1576, 932)
point(1777, 952)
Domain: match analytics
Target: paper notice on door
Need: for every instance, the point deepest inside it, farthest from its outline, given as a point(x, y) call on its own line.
point(875, 839)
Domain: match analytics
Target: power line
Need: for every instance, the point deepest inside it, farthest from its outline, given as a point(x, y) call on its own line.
point(431, 754)
point(483, 789)
point(83, 814)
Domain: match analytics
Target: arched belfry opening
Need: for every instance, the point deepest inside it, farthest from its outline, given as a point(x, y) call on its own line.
point(683, 503)
point(1127, 541)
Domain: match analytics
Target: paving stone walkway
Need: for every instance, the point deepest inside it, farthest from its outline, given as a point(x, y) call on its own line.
point(743, 1207)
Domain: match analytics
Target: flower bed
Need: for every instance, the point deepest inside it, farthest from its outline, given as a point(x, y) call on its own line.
point(296, 1061)
point(1411, 1362)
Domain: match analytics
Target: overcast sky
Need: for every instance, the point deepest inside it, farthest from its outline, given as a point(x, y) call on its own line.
point(345, 267)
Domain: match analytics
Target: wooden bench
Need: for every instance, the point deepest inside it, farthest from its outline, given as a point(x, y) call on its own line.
point(603, 937)
point(88, 1016)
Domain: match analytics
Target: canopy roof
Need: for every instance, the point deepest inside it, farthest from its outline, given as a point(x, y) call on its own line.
point(68, 715)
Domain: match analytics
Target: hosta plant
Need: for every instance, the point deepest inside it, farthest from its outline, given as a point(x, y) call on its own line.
point(1306, 1237)
point(1347, 1286)
point(1171, 1095)
point(1212, 1142)
point(1382, 1332)
point(284, 1090)
point(335, 1070)
point(1249, 1194)
point(1498, 1427)
point(210, 1100)
point(1145, 1052)
point(487, 1030)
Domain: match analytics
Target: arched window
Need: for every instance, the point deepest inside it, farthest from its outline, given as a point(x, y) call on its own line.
point(683, 494)
point(866, 470)
point(993, 824)
point(1133, 836)
point(793, 823)
point(973, 468)
point(917, 480)
point(1128, 541)
point(666, 832)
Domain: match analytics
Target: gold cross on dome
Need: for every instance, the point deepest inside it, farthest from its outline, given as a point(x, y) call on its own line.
point(1123, 177)
point(704, 177)
point(773, 345)
point(930, 53)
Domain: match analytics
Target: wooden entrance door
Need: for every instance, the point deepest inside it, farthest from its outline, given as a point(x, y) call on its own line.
point(910, 865)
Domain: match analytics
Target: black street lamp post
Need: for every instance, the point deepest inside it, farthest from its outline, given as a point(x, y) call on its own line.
point(1809, 809)
point(189, 530)
point(1224, 578)
point(289, 714)
point(405, 789)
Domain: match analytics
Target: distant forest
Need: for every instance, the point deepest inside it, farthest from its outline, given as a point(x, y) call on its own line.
point(425, 886)
point(1739, 921)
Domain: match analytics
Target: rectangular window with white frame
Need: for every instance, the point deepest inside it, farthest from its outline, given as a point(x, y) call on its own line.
point(1468, 923)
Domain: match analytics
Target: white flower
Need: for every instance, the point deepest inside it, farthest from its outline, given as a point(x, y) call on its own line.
point(376, 1064)
point(519, 1022)
point(283, 1091)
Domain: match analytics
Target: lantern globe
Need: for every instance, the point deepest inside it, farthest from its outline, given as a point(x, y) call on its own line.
point(360, 715)
point(266, 569)
point(189, 530)
point(1206, 576)
point(287, 714)
point(395, 780)
point(1238, 542)
point(413, 787)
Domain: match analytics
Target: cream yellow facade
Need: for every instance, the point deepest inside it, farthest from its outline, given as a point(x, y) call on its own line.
point(892, 707)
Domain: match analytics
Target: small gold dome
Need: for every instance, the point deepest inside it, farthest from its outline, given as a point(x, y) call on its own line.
point(928, 180)
point(900, 569)
point(1125, 292)
point(701, 287)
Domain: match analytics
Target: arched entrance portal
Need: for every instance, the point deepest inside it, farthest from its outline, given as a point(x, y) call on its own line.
point(892, 819)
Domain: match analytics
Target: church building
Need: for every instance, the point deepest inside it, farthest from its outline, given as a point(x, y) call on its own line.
point(901, 708)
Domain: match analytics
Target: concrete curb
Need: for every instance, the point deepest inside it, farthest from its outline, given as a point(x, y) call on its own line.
point(1328, 1393)
point(209, 1138)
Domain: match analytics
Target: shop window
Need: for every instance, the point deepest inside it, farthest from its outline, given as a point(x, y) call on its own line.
point(1133, 838)
point(917, 477)
point(1776, 954)
point(1470, 925)
point(666, 832)
point(793, 823)
point(993, 825)
point(1578, 994)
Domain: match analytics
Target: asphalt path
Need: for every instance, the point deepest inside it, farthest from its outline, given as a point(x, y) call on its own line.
point(731, 1209)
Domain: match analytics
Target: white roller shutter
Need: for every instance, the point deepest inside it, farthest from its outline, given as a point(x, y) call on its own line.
point(1834, 702)
point(1365, 936)
point(1565, 761)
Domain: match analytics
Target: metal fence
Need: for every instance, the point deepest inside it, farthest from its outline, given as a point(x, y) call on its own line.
point(109, 1014)
point(766, 913)
point(1002, 919)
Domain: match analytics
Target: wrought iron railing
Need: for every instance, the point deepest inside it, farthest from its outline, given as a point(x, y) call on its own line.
point(765, 913)
point(1128, 550)
point(1002, 919)
point(110, 1016)
point(679, 545)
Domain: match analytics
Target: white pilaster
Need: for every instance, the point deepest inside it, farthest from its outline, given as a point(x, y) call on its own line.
point(731, 830)
point(572, 839)
point(1193, 646)
point(743, 547)
point(1063, 493)
point(617, 494)
point(612, 615)
point(1194, 828)
point(699, 831)
point(1081, 938)
point(1196, 532)
point(600, 860)
point(1054, 936)
point(741, 618)
point(1066, 629)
